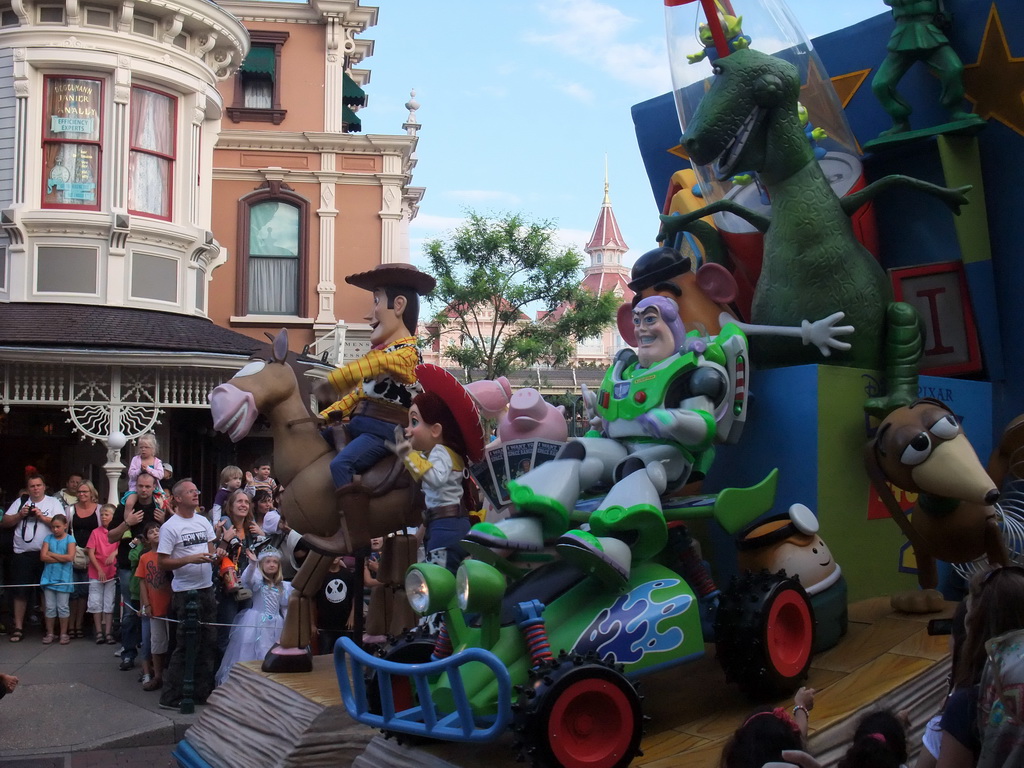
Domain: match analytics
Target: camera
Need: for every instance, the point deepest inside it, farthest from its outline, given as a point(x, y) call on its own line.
point(32, 509)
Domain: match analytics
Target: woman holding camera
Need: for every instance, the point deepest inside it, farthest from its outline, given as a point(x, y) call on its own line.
point(30, 516)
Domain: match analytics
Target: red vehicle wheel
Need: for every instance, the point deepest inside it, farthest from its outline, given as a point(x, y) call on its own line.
point(580, 715)
point(764, 633)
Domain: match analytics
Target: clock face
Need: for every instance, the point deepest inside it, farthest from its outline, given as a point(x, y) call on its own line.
point(60, 173)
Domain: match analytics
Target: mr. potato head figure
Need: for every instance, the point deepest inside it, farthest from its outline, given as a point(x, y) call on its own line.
point(704, 297)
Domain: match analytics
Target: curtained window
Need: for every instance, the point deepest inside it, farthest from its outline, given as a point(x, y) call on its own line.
point(258, 94)
point(272, 264)
point(152, 153)
point(273, 259)
point(72, 142)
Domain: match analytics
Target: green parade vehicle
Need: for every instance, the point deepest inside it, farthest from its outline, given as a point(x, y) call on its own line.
point(553, 653)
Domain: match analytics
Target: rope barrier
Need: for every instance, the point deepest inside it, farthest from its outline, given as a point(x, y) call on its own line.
point(132, 608)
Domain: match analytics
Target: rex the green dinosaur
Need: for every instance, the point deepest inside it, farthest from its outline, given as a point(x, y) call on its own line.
point(813, 265)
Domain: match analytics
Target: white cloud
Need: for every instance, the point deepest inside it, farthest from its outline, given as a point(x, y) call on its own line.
point(426, 224)
point(572, 238)
point(496, 92)
point(595, 33)
point(578, 92)
point(476, 196)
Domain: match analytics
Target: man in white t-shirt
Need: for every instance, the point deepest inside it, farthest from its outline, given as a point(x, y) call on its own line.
point(187, 550)
point(30, 516)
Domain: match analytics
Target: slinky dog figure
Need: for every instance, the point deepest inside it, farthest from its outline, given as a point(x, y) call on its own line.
point(922, 448)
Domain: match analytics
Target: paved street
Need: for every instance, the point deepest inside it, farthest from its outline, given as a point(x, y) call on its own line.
point(75, 709)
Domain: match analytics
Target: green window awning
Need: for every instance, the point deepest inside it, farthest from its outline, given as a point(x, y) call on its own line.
point(351, 94)
point(260, 61)
point(352, 123)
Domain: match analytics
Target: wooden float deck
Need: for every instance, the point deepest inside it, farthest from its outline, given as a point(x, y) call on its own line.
point(886, 659)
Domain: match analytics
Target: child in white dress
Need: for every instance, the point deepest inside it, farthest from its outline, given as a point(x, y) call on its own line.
point(256, 630)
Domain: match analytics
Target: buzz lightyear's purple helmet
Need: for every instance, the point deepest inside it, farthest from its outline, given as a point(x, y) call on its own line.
point(669, 312)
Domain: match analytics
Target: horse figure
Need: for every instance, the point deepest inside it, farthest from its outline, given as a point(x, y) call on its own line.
point(387, 499)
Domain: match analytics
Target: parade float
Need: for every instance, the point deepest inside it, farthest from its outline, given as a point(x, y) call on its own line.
point(558, 611)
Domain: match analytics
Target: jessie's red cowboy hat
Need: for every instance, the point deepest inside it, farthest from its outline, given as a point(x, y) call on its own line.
point(435, 379)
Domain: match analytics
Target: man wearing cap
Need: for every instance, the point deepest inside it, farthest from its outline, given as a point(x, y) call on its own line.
point(377, 389)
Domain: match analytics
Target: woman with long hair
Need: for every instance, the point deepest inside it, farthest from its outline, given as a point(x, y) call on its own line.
point(84, 518)
point(240, 534)
point(995, 606)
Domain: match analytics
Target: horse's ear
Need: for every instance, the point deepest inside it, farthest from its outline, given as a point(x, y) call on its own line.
point(280, 345)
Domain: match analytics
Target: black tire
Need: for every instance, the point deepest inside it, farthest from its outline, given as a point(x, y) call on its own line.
point(578, 712)
point(764, 633)
point(415, 646)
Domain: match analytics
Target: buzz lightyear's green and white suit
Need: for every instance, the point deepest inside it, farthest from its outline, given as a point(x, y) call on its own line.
point(654, 430)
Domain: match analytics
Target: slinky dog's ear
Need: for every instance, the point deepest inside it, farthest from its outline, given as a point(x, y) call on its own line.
point(880, 484)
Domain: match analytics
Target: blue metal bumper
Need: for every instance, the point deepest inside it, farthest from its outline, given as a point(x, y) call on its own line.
point(351, 663)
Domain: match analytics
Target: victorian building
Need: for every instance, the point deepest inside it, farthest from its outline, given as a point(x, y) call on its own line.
point(110, 112)
point(302, 196)
point(176, 178)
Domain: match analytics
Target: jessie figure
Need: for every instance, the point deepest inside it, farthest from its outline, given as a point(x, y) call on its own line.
point(443, 436)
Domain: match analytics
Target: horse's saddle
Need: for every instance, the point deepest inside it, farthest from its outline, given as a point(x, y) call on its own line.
point(388, 474)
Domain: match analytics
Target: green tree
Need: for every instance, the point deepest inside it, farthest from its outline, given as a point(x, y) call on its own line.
point(489, 271)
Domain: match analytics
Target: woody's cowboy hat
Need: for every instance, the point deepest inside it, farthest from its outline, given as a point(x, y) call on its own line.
point(395, 275)
point(435, 379)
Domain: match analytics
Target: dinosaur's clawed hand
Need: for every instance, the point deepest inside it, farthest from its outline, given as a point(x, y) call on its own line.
point(955, 198)
point(673, 224)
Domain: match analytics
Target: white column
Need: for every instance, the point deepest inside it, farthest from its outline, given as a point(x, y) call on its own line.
point(333, 74)
point(391, 209)
point(119, 126)
point(327, 213)
point(22, 88)
point(114, 468)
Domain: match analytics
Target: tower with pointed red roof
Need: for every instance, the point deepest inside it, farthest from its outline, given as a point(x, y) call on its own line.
point(606, 272)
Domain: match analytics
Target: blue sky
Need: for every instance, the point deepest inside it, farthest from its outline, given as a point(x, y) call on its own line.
point(521, 101)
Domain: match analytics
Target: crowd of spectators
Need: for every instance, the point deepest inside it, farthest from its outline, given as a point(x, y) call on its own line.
point(133, 566)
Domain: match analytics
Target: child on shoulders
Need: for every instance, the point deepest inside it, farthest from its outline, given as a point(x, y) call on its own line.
point(259, 478)
point(144, 460)
point(230, 480)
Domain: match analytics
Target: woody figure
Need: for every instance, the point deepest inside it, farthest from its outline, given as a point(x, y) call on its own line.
point(377, 389)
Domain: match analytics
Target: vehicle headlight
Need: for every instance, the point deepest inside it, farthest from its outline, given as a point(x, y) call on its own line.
point(429, 588)
point(479, 587)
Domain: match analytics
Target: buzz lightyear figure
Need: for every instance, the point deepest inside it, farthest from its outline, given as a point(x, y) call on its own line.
point(655, 421)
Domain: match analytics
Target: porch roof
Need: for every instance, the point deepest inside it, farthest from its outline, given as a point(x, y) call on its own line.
point(92, 326)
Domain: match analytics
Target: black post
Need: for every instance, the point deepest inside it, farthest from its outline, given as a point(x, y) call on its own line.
point(188, 687)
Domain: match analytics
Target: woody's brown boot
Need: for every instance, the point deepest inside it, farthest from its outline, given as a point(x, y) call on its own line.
point(353, 506)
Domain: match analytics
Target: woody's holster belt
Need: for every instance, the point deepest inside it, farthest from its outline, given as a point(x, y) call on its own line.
point(382, 411)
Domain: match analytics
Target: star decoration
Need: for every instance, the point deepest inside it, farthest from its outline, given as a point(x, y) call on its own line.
point(847, 85)
point(816, 95)
point(995, 82)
